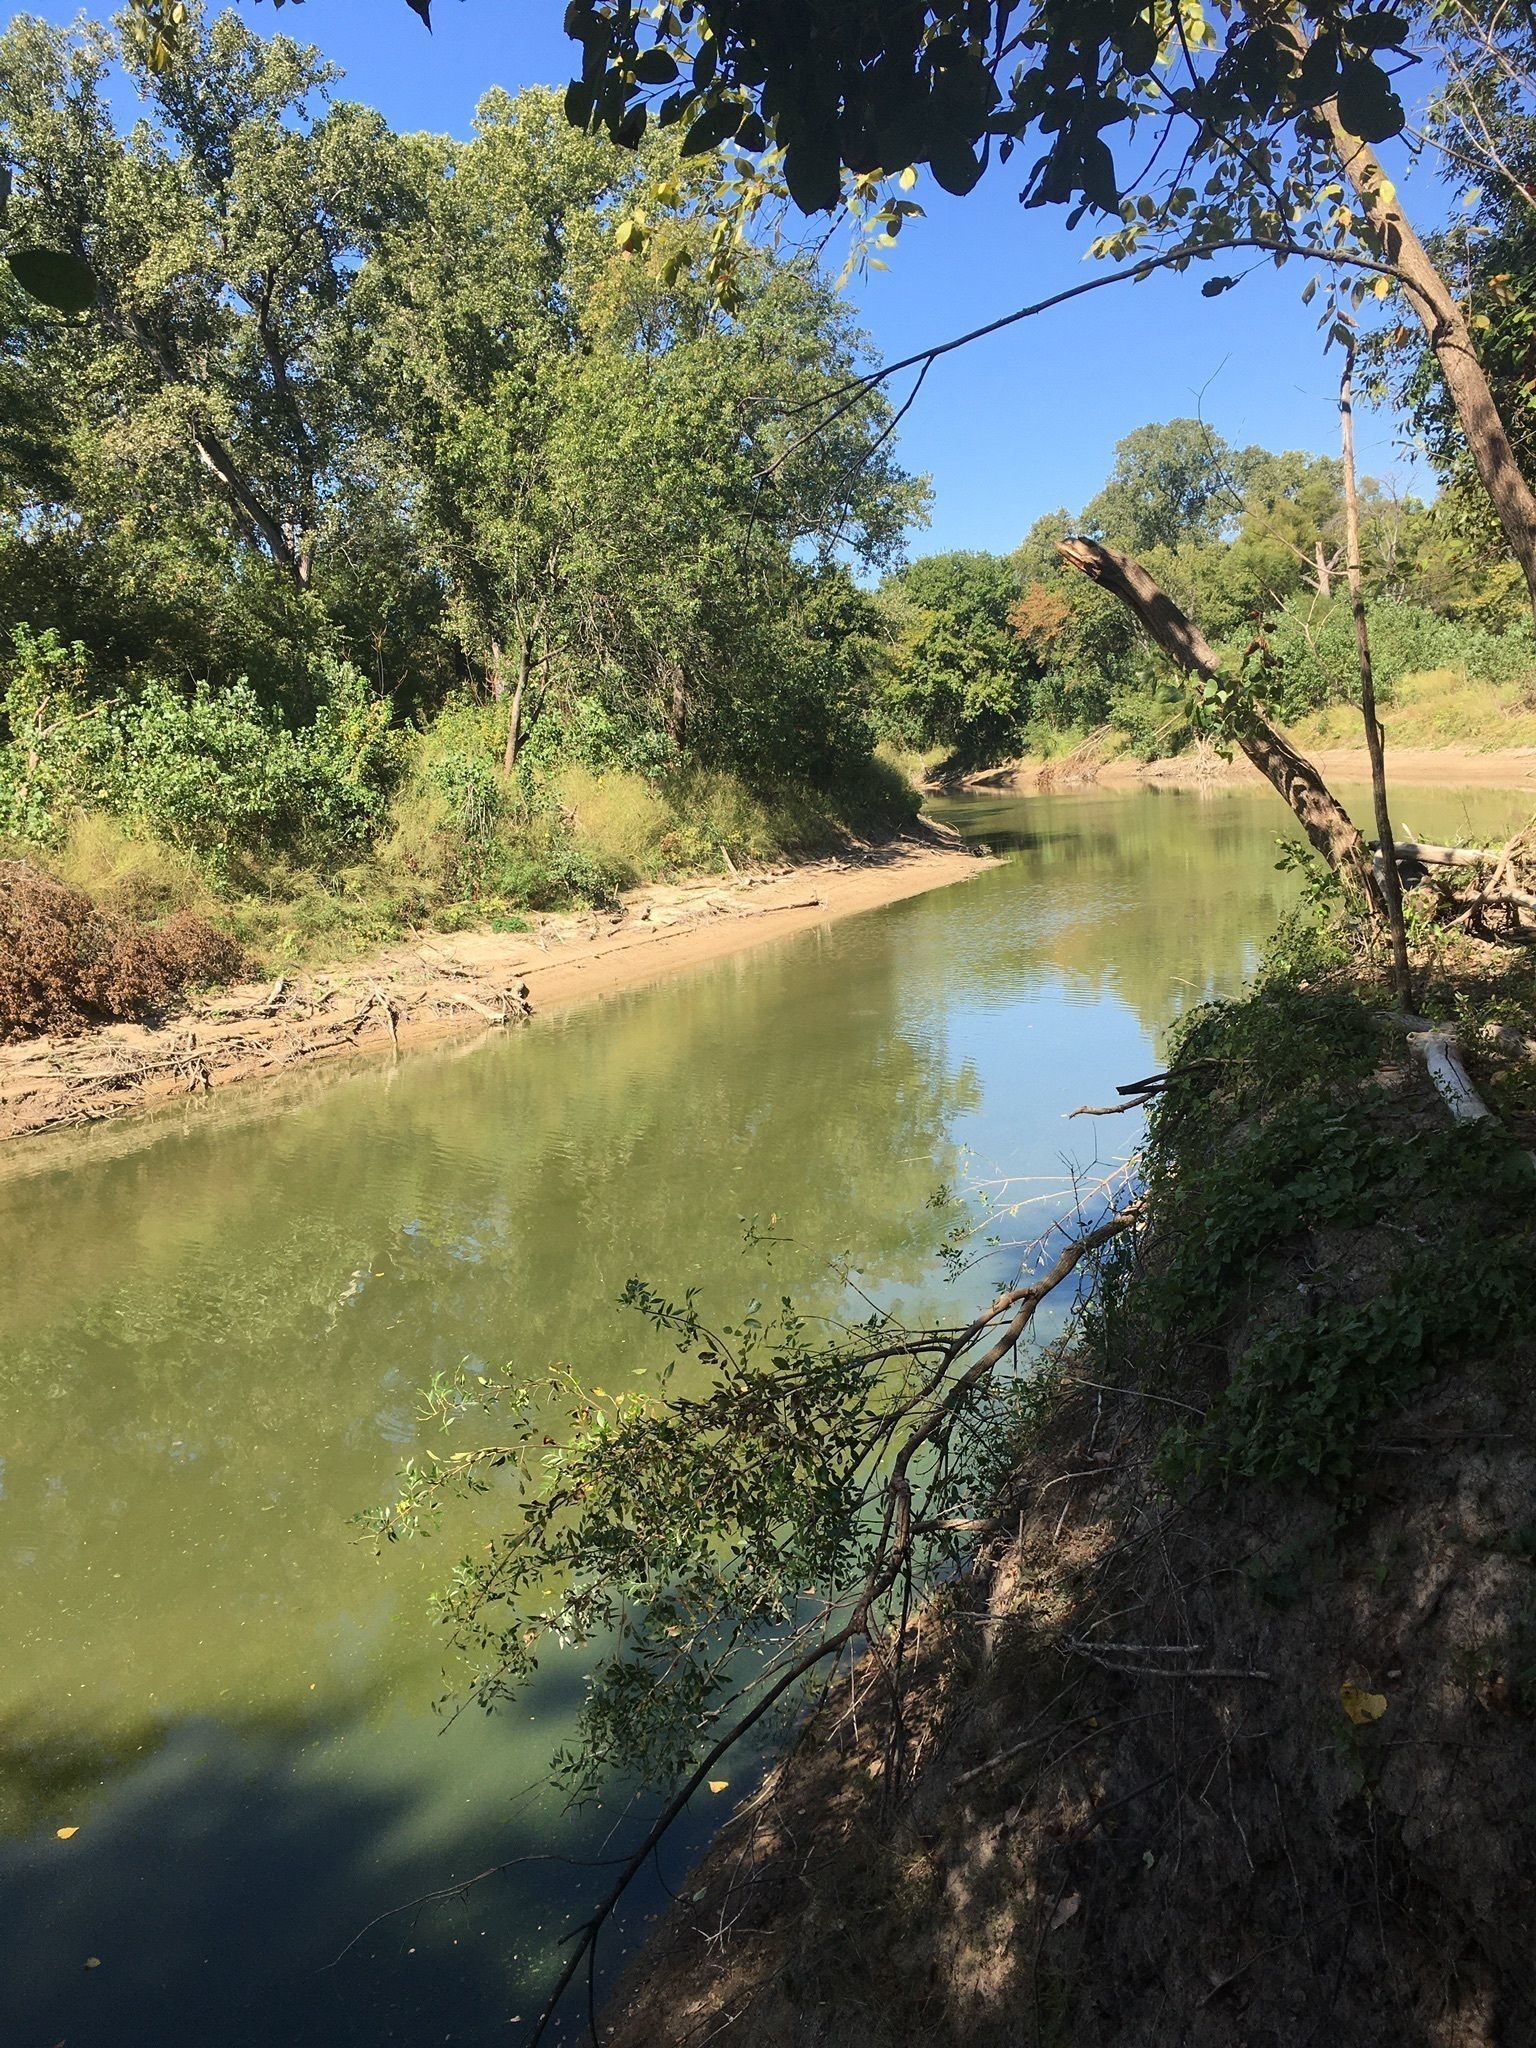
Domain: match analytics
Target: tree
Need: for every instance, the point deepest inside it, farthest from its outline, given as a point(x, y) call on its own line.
point(474, 302)
point(1483, 123)
point(624, 523)
point(1173, 482)
point(223, 237)
point(960, 676)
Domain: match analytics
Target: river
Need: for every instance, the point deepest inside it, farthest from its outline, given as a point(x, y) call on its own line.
point(216, 1324)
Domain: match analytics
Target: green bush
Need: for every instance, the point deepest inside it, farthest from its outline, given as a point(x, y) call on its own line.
point(1316, 663)
point(214, 771)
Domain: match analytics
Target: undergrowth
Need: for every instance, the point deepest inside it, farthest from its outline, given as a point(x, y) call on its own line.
point(65, 963)
point(1322, 1243)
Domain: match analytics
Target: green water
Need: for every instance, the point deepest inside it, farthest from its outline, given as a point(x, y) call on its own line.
point(215, 1324)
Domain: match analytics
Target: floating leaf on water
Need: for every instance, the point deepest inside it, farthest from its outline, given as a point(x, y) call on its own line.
point(1362, 1706)
point(718, 1784)
point(93, 1962)
point(65, 1833)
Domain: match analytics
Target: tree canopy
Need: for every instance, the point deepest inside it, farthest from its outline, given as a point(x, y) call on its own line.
point(403, 401)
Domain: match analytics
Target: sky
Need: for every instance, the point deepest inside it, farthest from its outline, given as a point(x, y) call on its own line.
point(1008, 428)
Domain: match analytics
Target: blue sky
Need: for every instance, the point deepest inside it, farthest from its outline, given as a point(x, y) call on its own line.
point(1008, 428)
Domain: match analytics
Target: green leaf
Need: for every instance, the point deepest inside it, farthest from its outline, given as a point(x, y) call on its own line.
point(811, 173)
point(57, 279)
point(1380, 29)
point(628, 132)
point(1138, 44)
point(715, 125)
point(953, 164)
point(580, 99)
point(1368, 106)
point(655, 67)
point(1318, 77)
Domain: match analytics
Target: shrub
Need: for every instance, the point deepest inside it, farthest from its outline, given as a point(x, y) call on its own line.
point(1317, 665)
point(214, 772)
point(65, 963)
point(620, 816)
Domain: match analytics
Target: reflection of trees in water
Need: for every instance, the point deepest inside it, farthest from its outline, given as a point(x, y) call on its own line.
point(1154, 900)
point(217, 1341)
point(1159, 898)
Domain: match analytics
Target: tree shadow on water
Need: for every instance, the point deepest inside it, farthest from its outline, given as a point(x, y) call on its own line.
point(235, 1893)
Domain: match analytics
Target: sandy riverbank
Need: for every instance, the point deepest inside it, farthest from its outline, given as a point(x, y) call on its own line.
point(436, 984)
point(1422, 767)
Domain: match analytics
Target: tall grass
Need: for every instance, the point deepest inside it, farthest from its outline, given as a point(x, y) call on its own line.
point(1438, 707)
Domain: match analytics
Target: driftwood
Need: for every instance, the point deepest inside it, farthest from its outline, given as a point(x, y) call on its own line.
point(1442, 1059)
point(1502, 864)
point(1324, 820)
point(83, 1080)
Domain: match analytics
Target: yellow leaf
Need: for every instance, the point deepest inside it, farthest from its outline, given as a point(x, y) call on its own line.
point(1362, 1706)
point(65, 1833)
point(718, 1784)
point(93, 1962)
point(908, 178)
point(1382, 286)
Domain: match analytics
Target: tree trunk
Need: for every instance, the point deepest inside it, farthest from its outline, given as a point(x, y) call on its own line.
point(515, 711)
point(1449, 336)
point(1324, 572)
point(1375, 738)
point(1324, 820)
point(677, 708)
point(495, 672)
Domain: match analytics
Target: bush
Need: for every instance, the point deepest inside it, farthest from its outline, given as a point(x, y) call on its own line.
point(1317, 665)
point(215, 772)
point(65, 963)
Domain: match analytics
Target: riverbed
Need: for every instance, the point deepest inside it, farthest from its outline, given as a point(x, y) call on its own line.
point(224, 1752)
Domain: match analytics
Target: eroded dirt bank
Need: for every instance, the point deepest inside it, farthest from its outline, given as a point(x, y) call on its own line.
point(437, 983)
point(1211, 1755)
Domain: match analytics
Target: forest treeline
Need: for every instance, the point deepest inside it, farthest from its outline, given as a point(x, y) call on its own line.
point(414, 530)
point(385, 537)
point(994, 656)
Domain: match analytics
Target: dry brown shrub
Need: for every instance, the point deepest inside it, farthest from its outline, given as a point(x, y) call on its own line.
point(65, 964)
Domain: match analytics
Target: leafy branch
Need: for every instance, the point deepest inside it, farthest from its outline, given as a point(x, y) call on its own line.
point(785, 1513)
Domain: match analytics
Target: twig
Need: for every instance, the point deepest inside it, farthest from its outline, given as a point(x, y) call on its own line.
point(1132, 1393)
point(1078, 1649)
point(891, 1555)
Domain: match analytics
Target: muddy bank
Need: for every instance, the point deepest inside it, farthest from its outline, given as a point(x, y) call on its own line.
point(1126, 1800)
point(436, 984)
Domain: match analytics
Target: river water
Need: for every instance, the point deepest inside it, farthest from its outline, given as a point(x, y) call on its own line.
point(214, 1326)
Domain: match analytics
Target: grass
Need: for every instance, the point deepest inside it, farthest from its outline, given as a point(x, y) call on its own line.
point(1440, 707)
point(1325, 1241)
point(462, 849)
point(135, 875)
